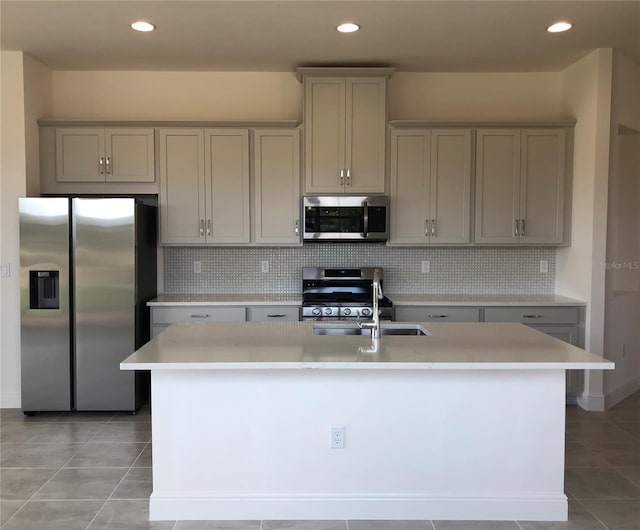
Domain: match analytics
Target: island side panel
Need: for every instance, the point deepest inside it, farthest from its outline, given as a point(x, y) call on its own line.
point(419, 444)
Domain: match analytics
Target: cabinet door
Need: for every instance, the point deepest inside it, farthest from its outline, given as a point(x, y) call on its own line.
point(227, 186)
point(450, 196)
point(324, 130)
point(80, 155)
point(542, 185)
point(129, 155)
point(277, 186)
point(497, 185)
point(410, 186)
point(366, 118)
point(182, 199)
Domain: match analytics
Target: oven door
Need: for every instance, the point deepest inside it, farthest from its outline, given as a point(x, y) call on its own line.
point(340, 218)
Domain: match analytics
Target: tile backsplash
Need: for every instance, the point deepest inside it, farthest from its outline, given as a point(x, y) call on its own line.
point(456, 270)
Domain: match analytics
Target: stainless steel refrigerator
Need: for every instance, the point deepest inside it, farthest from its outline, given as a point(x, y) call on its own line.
point(88, 267)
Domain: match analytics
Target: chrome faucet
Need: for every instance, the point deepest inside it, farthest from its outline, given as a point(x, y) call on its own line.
point(374, 323)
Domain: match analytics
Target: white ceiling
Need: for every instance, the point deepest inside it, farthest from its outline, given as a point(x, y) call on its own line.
point(264, 35)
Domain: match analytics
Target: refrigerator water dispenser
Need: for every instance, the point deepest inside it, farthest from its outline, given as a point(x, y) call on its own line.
point(44, 289)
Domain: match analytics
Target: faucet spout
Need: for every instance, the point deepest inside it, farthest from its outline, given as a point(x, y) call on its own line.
point(374, 324)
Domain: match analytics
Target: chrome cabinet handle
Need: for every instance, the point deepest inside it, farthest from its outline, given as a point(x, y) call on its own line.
point(276, 316)
point(437, 316)
point(348, 177)
point(208, 227)
point(342, 177)
point(426, 227)
point(200, 316)
point(531, 316)
point(516, 224)
point(522, 228)
point(201, 227)
point(296, 229)
point(433, 227)
point(108, 165)
point(101, 165)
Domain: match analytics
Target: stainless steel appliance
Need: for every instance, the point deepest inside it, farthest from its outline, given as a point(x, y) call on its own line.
point(88, 267)
point(341, 294)
point(346, 218)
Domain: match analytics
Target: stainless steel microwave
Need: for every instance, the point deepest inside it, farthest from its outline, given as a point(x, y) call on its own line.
point(346, 218)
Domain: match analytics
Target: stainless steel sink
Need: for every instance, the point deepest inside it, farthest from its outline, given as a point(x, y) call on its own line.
point(386, 329)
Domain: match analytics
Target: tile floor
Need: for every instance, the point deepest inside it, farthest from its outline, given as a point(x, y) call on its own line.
point(92, 471)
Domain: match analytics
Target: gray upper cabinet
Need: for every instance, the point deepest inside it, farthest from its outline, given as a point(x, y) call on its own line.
point(123, 155)
point(345, 122)
point(204, 186)
point(276, 190)
point(520, 186)
point(430, 186)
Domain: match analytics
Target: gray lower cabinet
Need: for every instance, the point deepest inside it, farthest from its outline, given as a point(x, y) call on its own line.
point(162, 317)
point(564, 323)
point(273, 314)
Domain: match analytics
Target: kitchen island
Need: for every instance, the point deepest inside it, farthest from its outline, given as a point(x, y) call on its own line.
point(464, 423)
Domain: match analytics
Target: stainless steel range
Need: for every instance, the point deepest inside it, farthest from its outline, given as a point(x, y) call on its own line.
point(341, 294)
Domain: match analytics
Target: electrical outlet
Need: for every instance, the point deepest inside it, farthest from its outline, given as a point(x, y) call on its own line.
point(197, 267)
point(5, 270)
point(544, 266)
point(264, 266)
point(426, 266)
point(337, 437)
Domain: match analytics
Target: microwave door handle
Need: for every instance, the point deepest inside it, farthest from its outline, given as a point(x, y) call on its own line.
point(366, 218)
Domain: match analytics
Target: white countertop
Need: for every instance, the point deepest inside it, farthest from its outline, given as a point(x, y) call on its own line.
point(484, 300)
point(292, 345)
point(398, 300)
point(225, 299)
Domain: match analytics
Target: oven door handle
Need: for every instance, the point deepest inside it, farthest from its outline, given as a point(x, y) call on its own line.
point(366, 217)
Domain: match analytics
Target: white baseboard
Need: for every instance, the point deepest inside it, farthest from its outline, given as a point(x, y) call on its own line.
point(591, 402)
point(616, 396)
point(328, 507)
point(10, 401)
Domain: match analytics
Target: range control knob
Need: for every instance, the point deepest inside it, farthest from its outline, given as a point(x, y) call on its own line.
point(316, 311)
point(347, 311)
point(328, 311)
point(366, 311)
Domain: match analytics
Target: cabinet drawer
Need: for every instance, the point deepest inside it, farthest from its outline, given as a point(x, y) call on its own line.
point(532, 315)
point(273, 313)
point(169, 315)
point(437, 314)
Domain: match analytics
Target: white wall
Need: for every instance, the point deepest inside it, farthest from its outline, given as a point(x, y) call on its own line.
point(587, 97)
point(177, 95)
point(490, 96)
point(12, 186)
point(622, 288)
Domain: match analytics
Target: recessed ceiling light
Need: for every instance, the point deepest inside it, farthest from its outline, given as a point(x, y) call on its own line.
point(348, 27)
point(559, 27)
point(142, 25)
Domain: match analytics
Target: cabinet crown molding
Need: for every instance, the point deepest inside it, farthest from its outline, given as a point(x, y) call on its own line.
point(365, 71)
point(483, 123)
point(167, 123)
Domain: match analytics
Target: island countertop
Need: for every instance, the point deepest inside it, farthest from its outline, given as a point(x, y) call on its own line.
point(293, 345)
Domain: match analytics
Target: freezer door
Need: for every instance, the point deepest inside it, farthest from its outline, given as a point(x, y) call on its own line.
point(104, 234)
point(44, 304)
